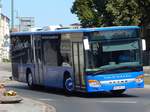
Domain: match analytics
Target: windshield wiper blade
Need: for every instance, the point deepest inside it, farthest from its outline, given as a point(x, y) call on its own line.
point(109, 69)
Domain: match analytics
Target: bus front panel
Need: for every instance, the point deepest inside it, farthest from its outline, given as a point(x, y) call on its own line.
point(117, 81)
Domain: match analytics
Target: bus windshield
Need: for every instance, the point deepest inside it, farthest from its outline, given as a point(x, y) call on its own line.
point(105, 55)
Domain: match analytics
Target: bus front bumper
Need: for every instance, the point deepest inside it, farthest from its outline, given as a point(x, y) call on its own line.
point(96, 84)
point(103, 87)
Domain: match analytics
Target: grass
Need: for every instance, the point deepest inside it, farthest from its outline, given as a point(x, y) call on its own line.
point(147, 80)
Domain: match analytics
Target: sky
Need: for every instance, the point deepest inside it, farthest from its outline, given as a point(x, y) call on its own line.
point(46, 12)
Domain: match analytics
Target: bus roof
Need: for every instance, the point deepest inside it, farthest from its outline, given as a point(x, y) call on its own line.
point(77, 30)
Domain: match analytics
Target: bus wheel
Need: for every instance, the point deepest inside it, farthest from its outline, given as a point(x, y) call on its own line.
point(68, 85)
point(30, 80)
point(118, 92)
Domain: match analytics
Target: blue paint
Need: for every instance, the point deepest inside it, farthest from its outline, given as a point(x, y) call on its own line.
point(76, 30)
point(111, 77)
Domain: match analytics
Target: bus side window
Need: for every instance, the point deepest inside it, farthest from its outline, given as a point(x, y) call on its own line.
point(65, 50)
point(65, 60)
point(51, 52)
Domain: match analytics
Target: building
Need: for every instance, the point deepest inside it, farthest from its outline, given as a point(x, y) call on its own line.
point(71, 26)
point(4, 37)
point(26, 23)
point(76, 25)
point(59, 27)
point(51, 27)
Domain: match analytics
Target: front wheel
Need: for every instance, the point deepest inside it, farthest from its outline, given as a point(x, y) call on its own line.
point(68, 85)
point(30, 80)
point(118, 92)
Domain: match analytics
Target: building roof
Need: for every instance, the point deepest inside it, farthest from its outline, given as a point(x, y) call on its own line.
point(5, 17)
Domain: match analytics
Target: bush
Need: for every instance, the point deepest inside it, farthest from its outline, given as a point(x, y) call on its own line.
point(5, 60)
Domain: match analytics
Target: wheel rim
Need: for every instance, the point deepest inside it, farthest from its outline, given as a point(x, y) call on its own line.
point(69, 84)
point(30, 79)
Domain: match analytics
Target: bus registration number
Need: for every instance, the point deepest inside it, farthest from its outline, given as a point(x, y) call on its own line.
point(118, 87)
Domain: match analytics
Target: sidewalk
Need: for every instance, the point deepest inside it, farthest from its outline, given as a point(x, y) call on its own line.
point(146, 86)
point(26, 105)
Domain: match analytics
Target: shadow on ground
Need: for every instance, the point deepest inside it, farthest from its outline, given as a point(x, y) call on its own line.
point(61, 92)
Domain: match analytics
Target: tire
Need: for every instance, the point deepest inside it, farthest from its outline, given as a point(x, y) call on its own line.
point(118, 92)
point(30, 80)
point(68, 85)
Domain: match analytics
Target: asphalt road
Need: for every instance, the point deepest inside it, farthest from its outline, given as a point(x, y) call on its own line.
point(134, 100)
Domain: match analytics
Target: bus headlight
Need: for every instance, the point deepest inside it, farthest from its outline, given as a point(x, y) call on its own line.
point(94, 83)
point(139, 79)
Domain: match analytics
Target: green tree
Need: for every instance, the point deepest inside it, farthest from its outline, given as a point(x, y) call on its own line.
point(144, 6)
point(92, 13)
point(125, 12)
point(112, 12)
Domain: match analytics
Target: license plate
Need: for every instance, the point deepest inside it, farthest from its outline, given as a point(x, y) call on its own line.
point(118, 87)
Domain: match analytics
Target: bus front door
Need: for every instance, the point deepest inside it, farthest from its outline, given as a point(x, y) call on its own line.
point(78, 64)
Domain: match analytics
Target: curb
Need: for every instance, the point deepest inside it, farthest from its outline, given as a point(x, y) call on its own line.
point(27, 105)
point(147, 86)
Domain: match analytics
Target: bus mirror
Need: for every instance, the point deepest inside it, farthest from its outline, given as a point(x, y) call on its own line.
point(86, 44)
point(143, 44)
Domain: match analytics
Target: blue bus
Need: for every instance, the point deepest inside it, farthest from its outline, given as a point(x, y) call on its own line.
point(87, 59)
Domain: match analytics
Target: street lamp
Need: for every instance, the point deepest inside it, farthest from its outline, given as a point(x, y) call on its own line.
point(0, 11)
point(12, 14)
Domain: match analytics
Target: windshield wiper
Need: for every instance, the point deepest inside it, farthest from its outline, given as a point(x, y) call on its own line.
point(114, 68)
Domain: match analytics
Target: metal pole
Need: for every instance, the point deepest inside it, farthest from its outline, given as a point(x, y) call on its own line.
point(0, 12)
point(1, 30)
point(12, 14)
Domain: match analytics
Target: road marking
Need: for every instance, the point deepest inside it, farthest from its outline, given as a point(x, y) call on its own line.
point(52, 100)
point(122, 102)
point(42, 99)
point(105, 101)
point(94, 101)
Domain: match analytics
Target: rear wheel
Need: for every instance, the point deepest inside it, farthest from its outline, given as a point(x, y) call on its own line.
point(68, 85)
point(30, 80)
point(118, 92)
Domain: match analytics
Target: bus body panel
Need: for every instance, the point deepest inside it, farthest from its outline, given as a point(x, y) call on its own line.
point(22, 69)
point(116, 81)
point(22, 72)
point(53, 76)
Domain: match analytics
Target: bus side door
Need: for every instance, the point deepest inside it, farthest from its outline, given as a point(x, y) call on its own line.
point(38, 61)
point(51, 68)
